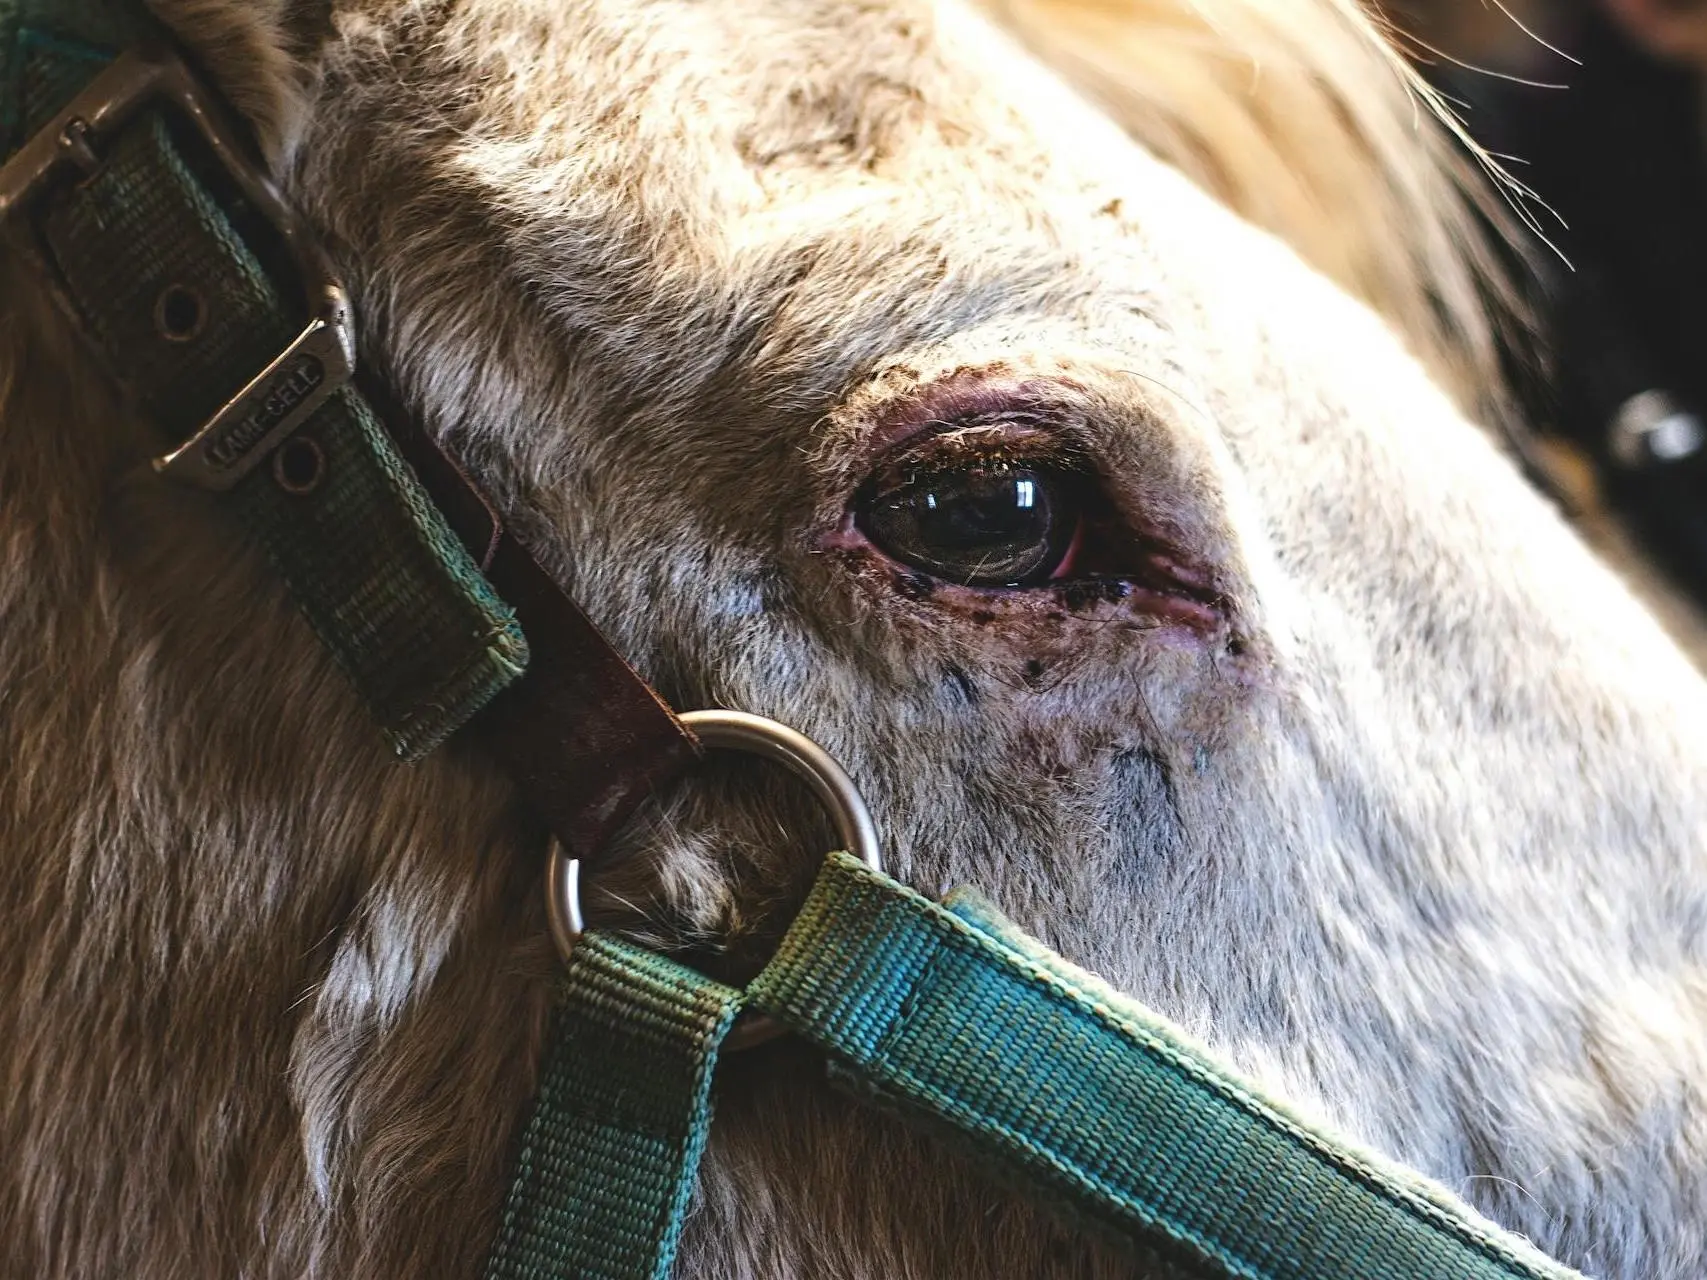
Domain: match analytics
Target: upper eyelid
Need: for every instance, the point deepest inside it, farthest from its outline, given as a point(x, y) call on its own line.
point(1041, 441)
point(896, 474)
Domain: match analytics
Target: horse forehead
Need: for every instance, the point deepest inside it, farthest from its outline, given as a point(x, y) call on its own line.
point(643, 67)
point(737, 121)
point(894, 171)
point(762, 202)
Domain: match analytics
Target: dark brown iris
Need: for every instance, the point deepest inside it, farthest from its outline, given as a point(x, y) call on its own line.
point(994, 523)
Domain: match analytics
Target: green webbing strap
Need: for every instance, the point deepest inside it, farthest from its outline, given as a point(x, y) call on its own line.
point(953, 1014)
point(370, 561)
point(608, 1157)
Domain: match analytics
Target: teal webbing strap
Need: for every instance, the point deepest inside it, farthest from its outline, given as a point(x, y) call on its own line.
point(952, 1014)
point(371, 562)
point(608, 1157)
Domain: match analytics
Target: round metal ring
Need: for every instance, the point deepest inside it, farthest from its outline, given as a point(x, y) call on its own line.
point(736, 731)
point(563, 898)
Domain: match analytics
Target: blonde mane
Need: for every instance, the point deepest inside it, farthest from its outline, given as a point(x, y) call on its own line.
point(1305, 119)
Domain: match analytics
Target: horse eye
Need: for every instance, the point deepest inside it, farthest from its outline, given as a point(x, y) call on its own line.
point(991, 525)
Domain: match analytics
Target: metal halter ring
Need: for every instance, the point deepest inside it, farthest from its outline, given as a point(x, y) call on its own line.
point(736, 731)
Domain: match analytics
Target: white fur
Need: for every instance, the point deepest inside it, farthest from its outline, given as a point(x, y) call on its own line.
point(1415, 836)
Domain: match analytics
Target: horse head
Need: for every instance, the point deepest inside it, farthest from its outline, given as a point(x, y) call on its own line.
point(848, 367)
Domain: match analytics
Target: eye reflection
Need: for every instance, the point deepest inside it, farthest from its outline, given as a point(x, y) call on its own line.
point(993, 524)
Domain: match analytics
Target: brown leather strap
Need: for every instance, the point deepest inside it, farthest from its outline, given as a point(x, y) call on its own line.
point(585, 738)
point(582, 734)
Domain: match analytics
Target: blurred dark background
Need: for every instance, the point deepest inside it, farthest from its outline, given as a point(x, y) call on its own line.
point(1599, 107)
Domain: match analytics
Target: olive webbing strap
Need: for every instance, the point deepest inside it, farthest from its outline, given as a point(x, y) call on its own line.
point(373, 565)
point(608, 1158)
point(952, 1014)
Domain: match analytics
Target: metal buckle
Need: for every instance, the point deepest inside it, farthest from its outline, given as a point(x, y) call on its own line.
point(282, 396)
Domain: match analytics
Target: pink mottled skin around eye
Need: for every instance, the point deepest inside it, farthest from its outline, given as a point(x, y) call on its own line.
point(1160, 596)
point(1118, 569)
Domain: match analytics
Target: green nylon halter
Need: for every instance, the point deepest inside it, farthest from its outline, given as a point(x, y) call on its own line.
point(944, 1013)
point(365, 554)
point(607, 1161)
point(953, 1017)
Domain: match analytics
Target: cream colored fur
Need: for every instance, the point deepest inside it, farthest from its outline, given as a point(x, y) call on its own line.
point(1305, 120)
point(1417, 836)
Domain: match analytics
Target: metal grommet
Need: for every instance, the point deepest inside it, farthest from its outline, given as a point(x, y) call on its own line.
point(299, 464)
point(736, 731)
point(179, 313)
